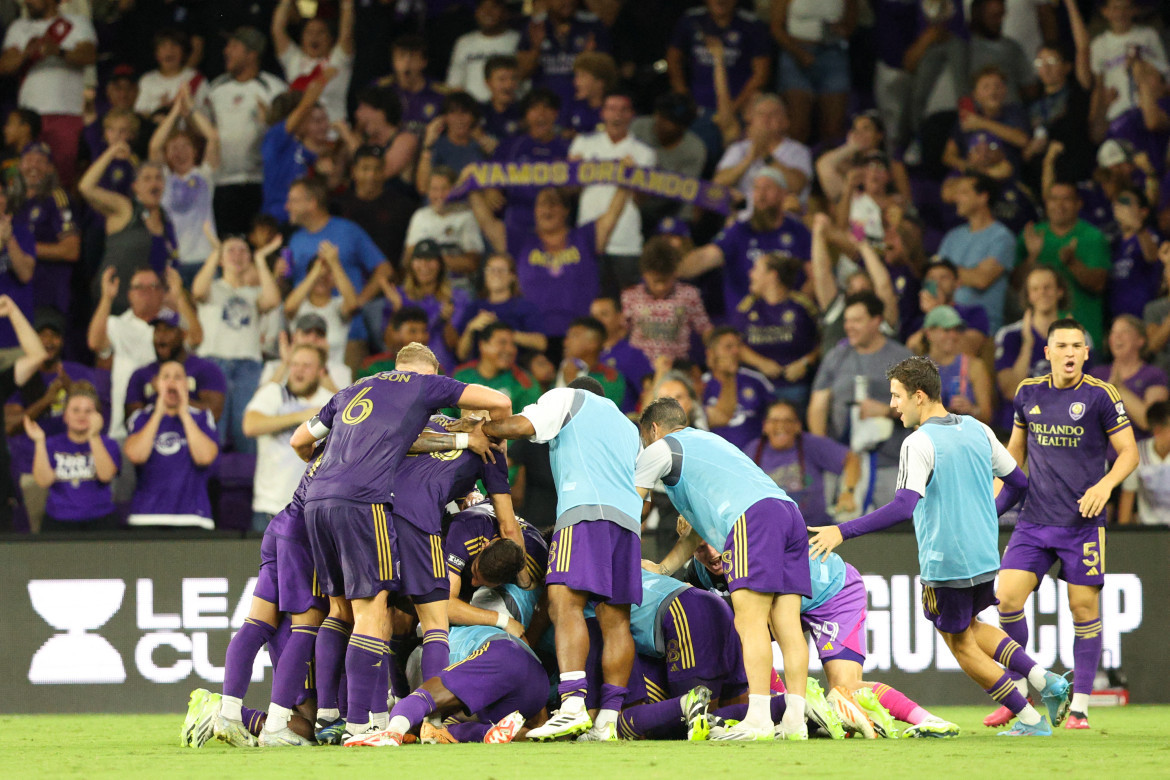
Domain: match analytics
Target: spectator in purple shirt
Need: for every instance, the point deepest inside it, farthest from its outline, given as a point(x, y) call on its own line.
point(735, 398)
point(76, 466)
point(205, 381)
point(1138, 383)
point(594, 74)
point(501, 111)
point(426, 286)
point(539, 143)
point(43, 208)
point(500, 300)
point(173, 446)
point(549, 46)
point(18, 268)
point(617, 352)
point(746, 54)
point(1136, 271)
point(421, 102)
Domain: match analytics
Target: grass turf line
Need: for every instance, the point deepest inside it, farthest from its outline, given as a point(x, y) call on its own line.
point(1128, 741)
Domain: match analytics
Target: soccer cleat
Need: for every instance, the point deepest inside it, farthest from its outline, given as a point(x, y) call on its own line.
point(384, 738)
point(286, 737)
point(600, 733)
point(330, 732)
point(1000, 717)
point(430, 734)
point(1076, 721)
point(1057, 697)
point(199, 725)
point(777, 682)
point(505, 730)
point(852, 716)
point(931, 727)
point(784, 734)
point(1021, 729)
point(818, 709)
point(694, 707)
point(879, 716)
point(233, 732)
point(562, 724)
point(742, 732)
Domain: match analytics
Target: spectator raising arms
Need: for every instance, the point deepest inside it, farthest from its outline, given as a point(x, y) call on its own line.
point(321, 48)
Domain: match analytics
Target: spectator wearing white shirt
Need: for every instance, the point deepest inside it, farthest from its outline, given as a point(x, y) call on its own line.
point(766, 143)
point(471, 51)
point(614, 142)
point(319, 48)
point(327, 293)
point(1112, 53)
point(52, 51)
point(272, 415)
point(230, 310)
point(238, 103)
point(451, 226)
point(1149, 483)
point(308, 329)
point(158, 89)
point(188, 188)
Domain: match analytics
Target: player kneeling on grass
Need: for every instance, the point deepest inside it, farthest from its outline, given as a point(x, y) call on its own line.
point(945, 484)
point(493, 676)
point(732, 504)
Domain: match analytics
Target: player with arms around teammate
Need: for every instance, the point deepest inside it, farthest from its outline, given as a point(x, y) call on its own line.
point(595, 550)
point(734, 506)
point(371, 425)
point(945, 477)
point(1064, 424)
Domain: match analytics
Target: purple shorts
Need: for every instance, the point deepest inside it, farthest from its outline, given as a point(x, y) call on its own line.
point(598, 557)
point(952, 609)
point(1080, 550)
point(838, 625)
point(353, 547)
point(767, 550)
point(702, 645)
point(498, 679)
point(422, 565)
point(287, 578)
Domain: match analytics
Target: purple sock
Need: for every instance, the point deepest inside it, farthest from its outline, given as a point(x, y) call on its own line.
point(241, 654)
point(1010, 655)
point(469, 732)
point(381, 686)
point(659, 720)
point(1087, 642)
point(1004, 691)
point(436, 653)
point(739, 711)
point(362, 657)
point(279, 640)
point(330, 650)
point(414, 707)
point(253, 720)
point(612, 696)
point(1015, 625)
point(567, 688)
point(288, 681)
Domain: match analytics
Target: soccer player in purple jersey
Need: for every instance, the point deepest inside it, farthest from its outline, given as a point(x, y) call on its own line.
point(1064, 424)
point(372, 424)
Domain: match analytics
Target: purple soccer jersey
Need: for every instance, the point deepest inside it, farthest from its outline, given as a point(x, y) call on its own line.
point(741, 245)
point(1068, 436)
point(501, 125)
point(1133, 281)
point(800, 471)
point(500, 677)
point(287, 576)
point(518, 216)
point(783, 332)
point(78, 495)
point(563, 282)
point(419, 108)
point(372, 424)
point(701, 645)
point(744, 38)
point(21, 293)
point(170, 483)
point(580, 117)
point(50, 219)
point(753, 394)
point(473, 529)
point(633, 365)
point(202, 374)
point(554, 61)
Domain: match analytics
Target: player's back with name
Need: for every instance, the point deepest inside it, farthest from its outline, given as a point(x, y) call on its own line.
point(1068, 438)
point(371, 425)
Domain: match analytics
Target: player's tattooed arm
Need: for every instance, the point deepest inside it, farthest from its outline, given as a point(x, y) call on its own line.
point(435, 441)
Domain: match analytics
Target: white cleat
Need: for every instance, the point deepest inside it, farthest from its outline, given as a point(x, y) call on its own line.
point(784, 733)
point(562, 724)
point(286, 737)
point(852, 716)
point(742, 732)
point(599, 733)
point(233, 732)
point(384, 738)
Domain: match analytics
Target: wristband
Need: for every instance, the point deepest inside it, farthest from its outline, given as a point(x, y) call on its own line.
point(501, 618)
point(461, 441)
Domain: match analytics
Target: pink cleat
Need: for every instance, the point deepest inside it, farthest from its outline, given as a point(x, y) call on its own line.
point(1076, 722)
point(777, 683)
point(504, 731)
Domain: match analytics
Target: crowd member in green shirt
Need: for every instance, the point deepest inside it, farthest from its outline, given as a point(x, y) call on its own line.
point(584, 341)
point(496, 367)
point(406, 325)
point(1074, 249)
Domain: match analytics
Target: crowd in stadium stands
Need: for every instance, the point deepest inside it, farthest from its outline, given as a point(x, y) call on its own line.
point(216, 214)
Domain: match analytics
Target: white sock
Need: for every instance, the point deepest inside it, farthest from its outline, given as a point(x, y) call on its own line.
point(793, 710)
point(328, 715)
point(605, 717)
point(398, 724)
point(573, 705)
point(1038, 676)
point(380, 720)
point(759, 710)
point(1022, 685)
point(231, 708)
point(277, 718)
point(1028, 716)
point(1080, 703)
point(357, 728)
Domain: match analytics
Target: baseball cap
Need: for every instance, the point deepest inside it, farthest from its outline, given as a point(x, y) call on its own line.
point(122, 71)
point(1111, 153)
point(168, 317)
point(943, 317)
point(773, 174)
point(251, 38)
point(673, 226)
point(428, 249)
point(37, 146)
point(311, 322)
point(48, 317)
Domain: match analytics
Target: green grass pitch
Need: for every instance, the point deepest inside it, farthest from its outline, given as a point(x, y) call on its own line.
point(1129, 742)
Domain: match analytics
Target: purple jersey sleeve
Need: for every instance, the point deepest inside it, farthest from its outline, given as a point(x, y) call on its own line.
point(495, 476)
point(329, 410)
point(443, 391)
point(138, 420)
point(208, 376)
point(1111, 411)
point(136, 386)
point(206, 422)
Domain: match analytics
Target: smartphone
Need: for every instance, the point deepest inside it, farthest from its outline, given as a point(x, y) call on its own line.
point(931, 286)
